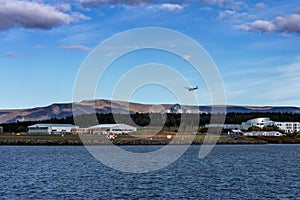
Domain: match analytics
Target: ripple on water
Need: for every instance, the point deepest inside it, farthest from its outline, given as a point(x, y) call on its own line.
point(228, 172)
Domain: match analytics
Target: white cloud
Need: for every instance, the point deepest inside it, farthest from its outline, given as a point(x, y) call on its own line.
point(238, 5)
point(148, 4)
point(286, 81)
point(34, 15)
point(102, 3)
point(260, 5)
point(243, 27)
point(63, 7)
point(281, 24)
point(226, 14)
point(264, 26)
point(232, 15)
point(231, 4)
point(278, 86)
point(289, 23)
point(235, 16)
point(75, 47)
point(170, 7)
point(218, 2)
point(167, 7)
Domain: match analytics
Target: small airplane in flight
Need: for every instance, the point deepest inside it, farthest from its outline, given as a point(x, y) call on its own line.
point(191, 88)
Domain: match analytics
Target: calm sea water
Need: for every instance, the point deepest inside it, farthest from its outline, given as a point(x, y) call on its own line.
point(228, 172)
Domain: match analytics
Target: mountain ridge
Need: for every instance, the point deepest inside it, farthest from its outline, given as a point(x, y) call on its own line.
point(61, 110)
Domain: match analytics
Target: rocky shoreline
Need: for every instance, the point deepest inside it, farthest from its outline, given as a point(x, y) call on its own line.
point(77, 140)
point(41, 142)
point(136, 142)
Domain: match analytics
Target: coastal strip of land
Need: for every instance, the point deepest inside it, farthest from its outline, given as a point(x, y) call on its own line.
point(48, 140)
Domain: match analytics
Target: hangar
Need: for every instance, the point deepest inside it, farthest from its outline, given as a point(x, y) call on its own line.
point(51, 129)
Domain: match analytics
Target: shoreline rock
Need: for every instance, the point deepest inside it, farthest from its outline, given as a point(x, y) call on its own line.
point(75, 140)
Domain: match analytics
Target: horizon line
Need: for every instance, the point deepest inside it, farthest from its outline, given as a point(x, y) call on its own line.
point(145, 103)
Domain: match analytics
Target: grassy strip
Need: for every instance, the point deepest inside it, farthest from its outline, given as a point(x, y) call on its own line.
point(10, 139)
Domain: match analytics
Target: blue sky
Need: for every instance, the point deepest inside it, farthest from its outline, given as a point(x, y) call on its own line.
point(255, 45)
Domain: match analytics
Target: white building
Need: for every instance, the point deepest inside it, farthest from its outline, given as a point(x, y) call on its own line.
point(81, 131)
point(51, 129)
point(263, 133)
point(259, 122)
point(225, 126)
point(178, 109)
point(288, 127)
point(112, 129)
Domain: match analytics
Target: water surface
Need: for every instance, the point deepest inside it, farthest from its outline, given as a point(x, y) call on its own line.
point(228, 172)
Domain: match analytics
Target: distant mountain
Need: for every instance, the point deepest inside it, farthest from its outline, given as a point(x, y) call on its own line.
point(107, 106)
point(83, 107)
point(249, 109)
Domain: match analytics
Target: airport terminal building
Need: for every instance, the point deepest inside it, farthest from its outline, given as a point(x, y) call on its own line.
point(288, 127)
point(51, 129)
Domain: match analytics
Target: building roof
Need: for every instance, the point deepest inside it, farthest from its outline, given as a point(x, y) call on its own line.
point(51, 125)
point(236, 131)
point(260, 119)
point(263, 133)
point(125, 126)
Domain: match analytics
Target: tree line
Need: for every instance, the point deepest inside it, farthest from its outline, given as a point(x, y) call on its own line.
point(171, 121)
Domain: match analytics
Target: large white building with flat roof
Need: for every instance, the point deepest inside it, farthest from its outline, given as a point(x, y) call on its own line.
point(111, 129)
point(288, 127)
point(51, 129)
point(263, 133)
point(259, 122)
